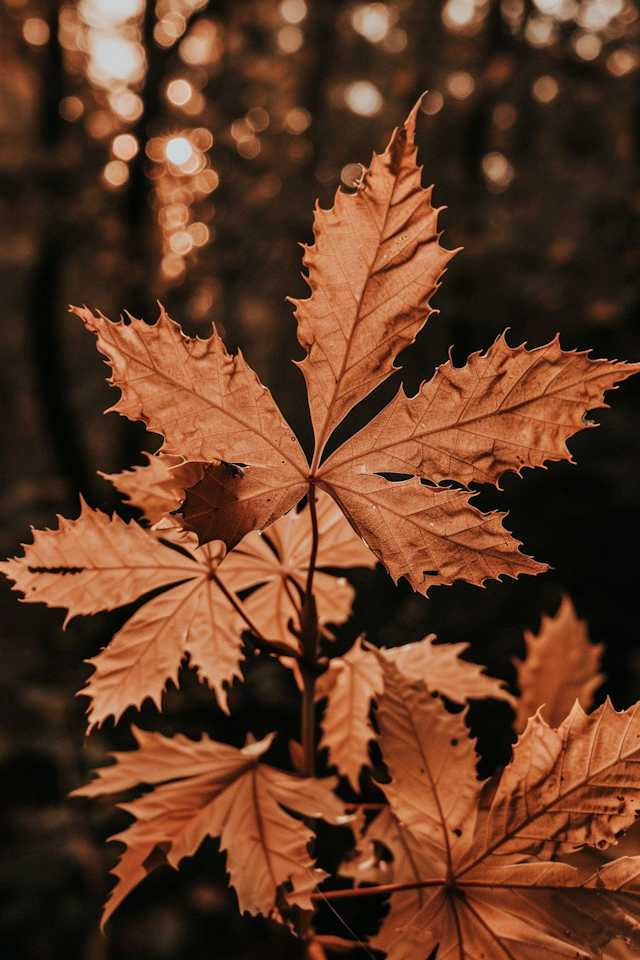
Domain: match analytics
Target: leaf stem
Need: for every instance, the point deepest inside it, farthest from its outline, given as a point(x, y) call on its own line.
point(377, 890)
point(263, 642)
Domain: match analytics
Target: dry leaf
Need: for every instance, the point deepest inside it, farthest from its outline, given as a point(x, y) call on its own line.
point(349, 683)
point(99, 563)
point(411, 860)
point(352, 681)
point(506, 409)
point(209, 407)
point(373, 268)
point(212, 789)
point(157, 488)
point(374, 265)
point(561, 667)
point(440, 666)
point(498, 893)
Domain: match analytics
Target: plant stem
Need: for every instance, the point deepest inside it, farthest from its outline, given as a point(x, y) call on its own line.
point(314, 538)
point(308, 722)
point(309, 640)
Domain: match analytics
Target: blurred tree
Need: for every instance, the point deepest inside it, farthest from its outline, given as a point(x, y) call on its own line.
point(175, 150)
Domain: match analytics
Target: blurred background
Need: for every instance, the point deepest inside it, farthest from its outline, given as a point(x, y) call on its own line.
point(175, 151)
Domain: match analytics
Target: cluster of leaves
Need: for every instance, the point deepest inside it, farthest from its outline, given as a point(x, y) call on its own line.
point(233, 565)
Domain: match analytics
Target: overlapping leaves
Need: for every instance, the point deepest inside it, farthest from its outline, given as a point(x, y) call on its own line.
point(375, 263)
point(482, 882)
point(99, 563)
point(354, 680)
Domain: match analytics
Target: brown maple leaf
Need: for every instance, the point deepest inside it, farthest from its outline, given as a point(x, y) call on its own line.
point(375, 263)
point(561, 666)
point(99, 563)
point(373, 269)
point(205, 788)
point(494, 890)
point(210, 408)
point(353, 681)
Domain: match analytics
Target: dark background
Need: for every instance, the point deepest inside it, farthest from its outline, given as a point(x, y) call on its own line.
point(542, 185)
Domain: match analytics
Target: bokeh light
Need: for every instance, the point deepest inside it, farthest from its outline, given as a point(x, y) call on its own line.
point(297, 120)
point(290, 39)
point(183, 177)
point(432, 102)
point(541, 31)
point(36, 31)
point(498, 171)
point(621, 62)
point(202, 46)
point(127, 105)
point(116, 173)
point(178, 150)
point(464, 16)
point(460, 84)
point(587, 45)
point(372, 21)
point(545, 89)
point(458, 13)
point(71, 109)
point(125, 146)
point(293, 11)
point(504, 116)
point(396, 40)
point(258, 119)
point(179, 92)
point(363, 98)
